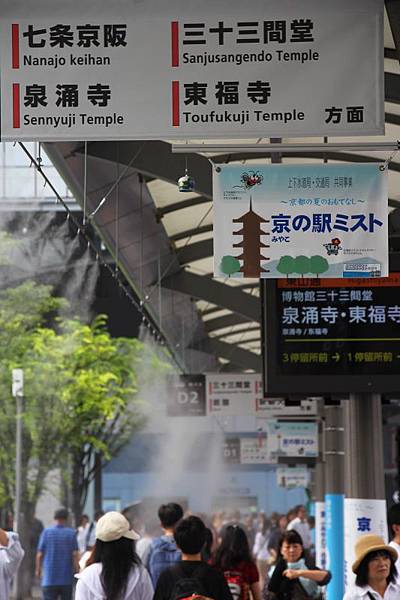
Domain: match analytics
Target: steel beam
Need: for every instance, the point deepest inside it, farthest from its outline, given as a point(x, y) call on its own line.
point(190, 232)
point(225, 321)
point(196, 251)
point(189, 202)
point(154, 159)
point(205, 288)
point(244, 358)
point(393, 13)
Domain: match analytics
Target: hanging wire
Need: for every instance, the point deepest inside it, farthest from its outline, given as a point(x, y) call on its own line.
point(90, 244)
point(389, 160)
point(112, 188)
point(117, 214)
point(176, 255)
point(237, 343)
point(85, 184)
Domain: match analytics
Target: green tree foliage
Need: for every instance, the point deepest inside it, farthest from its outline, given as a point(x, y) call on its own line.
point(230, 265)
point(80, 395)
point(302, 265)
point(286, 265)
point(318, 265)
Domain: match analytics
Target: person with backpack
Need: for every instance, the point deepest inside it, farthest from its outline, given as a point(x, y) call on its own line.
point(191, 576)
point(114, 569)
point(163, 552)
point(233, 559)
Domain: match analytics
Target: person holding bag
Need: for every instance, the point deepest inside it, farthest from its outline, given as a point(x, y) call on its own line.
point(295, 577)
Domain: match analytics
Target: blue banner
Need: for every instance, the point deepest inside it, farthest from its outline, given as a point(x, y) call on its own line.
point(334, 515)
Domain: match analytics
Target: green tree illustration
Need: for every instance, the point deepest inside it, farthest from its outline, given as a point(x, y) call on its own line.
point(318, 265)
point(302, 265)
point(229, 265)
point(286, 265)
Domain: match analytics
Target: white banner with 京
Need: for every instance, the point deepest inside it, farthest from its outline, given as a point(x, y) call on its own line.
point(156, 69)
point(361, 517)
point(283, 221)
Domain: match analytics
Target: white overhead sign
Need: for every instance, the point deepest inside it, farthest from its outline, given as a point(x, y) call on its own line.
point(293, 438)
point(141, 70)
point(254, 451)
point(233, 393)
point(292, 477)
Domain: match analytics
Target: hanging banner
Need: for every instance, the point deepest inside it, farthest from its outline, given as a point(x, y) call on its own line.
point(360, 518)
point(233, 393)
point(285, 221)
point(334, 523)
point(292, 477)
point(293, 438)
point(146, 70)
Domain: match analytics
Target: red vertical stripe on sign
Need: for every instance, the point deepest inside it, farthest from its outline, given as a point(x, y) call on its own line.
point(15, 45)
point(175, 103)
point(175, 43)
point(16, 107)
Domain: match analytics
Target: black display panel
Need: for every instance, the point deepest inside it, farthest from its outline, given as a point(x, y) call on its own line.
point(323, 336)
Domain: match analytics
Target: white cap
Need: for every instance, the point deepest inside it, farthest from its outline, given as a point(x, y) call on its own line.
point(113, 526)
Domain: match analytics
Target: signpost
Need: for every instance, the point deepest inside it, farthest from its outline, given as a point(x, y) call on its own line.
point(332, 335)
point(18, 392)
point(155, 69)
point(282, 221)
point(186, 396)
point(233, 393)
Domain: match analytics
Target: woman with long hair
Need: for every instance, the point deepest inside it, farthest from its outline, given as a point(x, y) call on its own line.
point(295, 576)
point(233, 558)
point(114, 570)
point(375, 570)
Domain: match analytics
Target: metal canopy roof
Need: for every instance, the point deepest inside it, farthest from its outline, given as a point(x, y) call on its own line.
point(156, 233)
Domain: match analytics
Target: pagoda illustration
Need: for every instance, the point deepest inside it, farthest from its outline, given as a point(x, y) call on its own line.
point(251, 243)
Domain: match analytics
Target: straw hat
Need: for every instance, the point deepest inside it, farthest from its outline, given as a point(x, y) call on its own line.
point(370, 543)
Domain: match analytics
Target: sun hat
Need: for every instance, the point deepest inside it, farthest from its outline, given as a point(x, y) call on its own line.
point(370, 543)
point(113, 526)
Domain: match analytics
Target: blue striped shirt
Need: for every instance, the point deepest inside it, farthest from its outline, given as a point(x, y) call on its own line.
point(57, 544)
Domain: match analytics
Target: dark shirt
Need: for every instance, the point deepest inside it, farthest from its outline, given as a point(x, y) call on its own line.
point(284, 587)
point(213, 582)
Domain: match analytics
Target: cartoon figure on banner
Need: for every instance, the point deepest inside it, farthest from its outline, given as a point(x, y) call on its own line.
point(334, 247)
point(250, 179)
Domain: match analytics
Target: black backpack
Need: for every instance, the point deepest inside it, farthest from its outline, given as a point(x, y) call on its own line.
point(186, 586)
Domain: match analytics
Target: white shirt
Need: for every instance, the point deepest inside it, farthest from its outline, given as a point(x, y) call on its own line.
point(260, 548)
point(361, 593)
point(81, 537)
point(396, 546)
point(303, 529)
point(10, 558)
point(89, 585)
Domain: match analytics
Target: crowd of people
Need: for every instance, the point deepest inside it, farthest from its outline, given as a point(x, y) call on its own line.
point(224, 557)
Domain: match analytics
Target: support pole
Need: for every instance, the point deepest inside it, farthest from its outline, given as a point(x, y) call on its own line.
point(334, 499)
point(365, 504)
point(364, 474)
point(319, 492)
